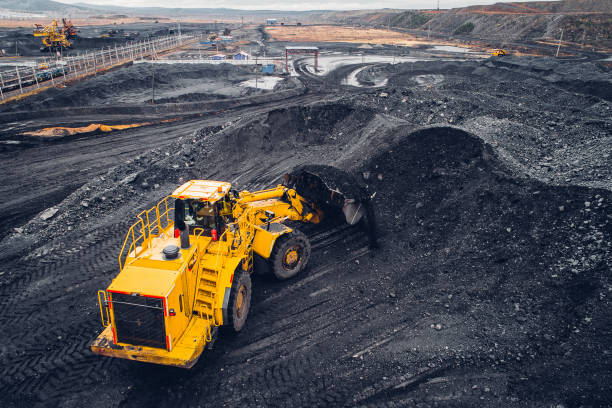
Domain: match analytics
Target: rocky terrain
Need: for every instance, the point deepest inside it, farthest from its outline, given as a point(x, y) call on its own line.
point(491, 182)
point(583, 22)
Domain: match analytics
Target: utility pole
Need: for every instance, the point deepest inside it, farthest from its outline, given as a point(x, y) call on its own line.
point(153, 83)
point(559, 45)
point(19, 79)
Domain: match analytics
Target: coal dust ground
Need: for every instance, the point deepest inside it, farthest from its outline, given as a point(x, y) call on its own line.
point(491, 182)
point(139, 83)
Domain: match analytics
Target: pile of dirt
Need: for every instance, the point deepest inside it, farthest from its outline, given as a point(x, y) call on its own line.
point(491, 287)
point(579, 77)
point(526, 263)
point(324, 129)
point(520, 108)
point(479, 271)
point(134, 85)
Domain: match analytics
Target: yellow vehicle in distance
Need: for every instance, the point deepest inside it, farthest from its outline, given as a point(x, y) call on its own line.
point(185, 265)
point(52, 37)
point(499, 52)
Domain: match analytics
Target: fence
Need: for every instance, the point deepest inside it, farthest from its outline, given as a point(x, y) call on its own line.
point(197, 60)
point(21, 80)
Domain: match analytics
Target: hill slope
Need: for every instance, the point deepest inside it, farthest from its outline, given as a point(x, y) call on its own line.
point(588, 21)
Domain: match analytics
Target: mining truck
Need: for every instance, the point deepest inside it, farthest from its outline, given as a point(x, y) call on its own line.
point(186, 264)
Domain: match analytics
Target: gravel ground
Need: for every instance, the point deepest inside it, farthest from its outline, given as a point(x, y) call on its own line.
point(491, 184)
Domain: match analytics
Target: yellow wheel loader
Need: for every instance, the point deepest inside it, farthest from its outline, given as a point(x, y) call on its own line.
point(185, 265)
point(498, 52)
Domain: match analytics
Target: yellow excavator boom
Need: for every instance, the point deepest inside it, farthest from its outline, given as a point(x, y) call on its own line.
point(51, 36)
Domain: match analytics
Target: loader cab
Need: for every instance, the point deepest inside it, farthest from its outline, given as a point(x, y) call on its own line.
point(204, 206)
point(204, 214)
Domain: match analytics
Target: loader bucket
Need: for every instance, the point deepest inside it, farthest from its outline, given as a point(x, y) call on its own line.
point(333, 189)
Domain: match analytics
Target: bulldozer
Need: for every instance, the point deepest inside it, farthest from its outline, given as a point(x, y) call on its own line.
point(52, 39)
point(186, 264)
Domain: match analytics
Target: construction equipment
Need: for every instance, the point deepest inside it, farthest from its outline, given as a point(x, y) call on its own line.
point(69, 29)
point(185, 265)
point(52, 38)
point(498, 52)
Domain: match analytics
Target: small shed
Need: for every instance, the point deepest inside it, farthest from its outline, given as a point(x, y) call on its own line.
point(217, 57)
point(242, 56)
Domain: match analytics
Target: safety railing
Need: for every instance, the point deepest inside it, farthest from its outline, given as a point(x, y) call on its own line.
point(103, 302)
point(244, 236)
point(151, 224)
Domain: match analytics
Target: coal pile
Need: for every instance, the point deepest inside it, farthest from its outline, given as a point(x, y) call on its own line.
point(491, 286)
point(523, 265)
point(134, 85)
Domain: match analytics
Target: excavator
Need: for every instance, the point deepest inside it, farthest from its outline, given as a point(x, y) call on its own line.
point(186, 264)
point(54, 39)
point(69, 29)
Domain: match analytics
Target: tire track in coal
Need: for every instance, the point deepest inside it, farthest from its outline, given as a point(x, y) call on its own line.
point(33, 367)
point(294, 321)
point(301, 324)
point(286, 346)
point(280, 383)
point(46, 358)
point(89, 261)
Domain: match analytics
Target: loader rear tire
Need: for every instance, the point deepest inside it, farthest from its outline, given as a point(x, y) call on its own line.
point(290, 255)
point(239, 301)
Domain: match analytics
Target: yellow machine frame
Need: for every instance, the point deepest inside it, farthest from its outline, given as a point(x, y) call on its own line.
point(51, 36)
point(192, 290)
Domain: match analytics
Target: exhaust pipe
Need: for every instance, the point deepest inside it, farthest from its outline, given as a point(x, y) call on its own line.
point(179, 223)
point(184, 237)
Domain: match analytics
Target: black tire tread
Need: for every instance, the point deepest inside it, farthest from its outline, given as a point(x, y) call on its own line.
point(281, 243)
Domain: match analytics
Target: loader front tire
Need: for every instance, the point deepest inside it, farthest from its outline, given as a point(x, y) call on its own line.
point(239, 301)
point(290, 255)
